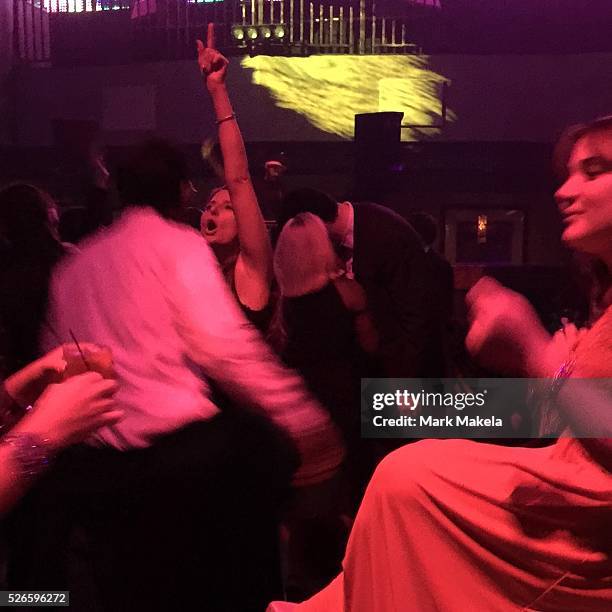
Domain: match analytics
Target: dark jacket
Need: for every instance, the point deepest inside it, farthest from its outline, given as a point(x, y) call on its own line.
point(390, 263)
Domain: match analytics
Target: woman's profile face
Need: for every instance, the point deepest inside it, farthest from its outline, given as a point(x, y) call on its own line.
point(218, 222)
point(585, 199)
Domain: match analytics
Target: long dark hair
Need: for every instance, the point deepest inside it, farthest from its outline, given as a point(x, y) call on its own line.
point(29, 248)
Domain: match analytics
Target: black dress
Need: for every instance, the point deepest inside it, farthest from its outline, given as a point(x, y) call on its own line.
point(259, 318)
point(322, 346)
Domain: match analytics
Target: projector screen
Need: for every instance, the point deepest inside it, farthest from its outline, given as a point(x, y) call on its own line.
point(329, 90)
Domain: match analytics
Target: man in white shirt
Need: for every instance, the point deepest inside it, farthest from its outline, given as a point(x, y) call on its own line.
point(202, 487)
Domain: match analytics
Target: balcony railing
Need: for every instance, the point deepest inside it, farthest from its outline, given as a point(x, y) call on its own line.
point(84, 6)
point(66, 31)
point(32, 38)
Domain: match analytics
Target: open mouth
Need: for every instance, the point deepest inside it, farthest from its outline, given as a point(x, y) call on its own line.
point(210, 227)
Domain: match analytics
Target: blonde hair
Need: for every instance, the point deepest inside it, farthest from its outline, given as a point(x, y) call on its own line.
point(304, 259)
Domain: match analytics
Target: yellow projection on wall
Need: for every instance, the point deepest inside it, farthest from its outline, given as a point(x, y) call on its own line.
point(329, 90)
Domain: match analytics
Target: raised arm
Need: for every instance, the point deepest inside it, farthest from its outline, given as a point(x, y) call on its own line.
point(254, 265)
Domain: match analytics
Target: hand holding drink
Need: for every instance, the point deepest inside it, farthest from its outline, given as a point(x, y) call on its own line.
point(88, 357)
point(69, 412)
point(64, 361)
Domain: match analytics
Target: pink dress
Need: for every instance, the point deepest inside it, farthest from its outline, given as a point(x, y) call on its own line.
point(456, 525)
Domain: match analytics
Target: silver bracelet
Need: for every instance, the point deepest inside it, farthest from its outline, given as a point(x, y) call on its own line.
point(565, 371)
point(31, 453)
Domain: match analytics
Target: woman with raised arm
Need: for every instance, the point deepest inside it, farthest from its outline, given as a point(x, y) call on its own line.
point(232, 222)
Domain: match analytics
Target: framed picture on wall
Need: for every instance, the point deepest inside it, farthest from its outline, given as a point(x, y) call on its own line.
point(484, 236)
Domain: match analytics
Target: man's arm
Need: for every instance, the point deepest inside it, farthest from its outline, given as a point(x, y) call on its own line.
point(232, 353)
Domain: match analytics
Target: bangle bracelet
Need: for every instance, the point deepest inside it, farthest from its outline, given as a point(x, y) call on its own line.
point(559, 377)
point(228, 118)
point(31, 453)
point(550, 422)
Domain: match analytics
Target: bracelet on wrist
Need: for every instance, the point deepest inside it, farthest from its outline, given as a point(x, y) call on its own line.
point(563, 372)
point(228, 118)
point(31, 453)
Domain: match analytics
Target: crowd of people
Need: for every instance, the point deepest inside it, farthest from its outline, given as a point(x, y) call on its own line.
point(174, 396)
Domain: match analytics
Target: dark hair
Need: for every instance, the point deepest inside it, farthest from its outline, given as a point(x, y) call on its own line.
point(28, 250)
point(153, 177)
point(569, 138)
point(425, 226)
point(308, 200)
point(24, 219)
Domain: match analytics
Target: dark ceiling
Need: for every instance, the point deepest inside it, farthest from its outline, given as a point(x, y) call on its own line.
point(522, 26)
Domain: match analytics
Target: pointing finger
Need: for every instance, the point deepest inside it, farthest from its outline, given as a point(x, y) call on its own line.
point(210, 37)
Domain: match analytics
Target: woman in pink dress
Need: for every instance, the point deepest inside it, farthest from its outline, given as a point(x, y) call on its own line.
point(451, 525)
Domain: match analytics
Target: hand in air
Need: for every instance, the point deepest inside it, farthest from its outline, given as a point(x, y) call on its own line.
point(212, 64)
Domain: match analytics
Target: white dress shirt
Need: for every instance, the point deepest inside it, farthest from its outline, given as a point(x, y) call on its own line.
point(152, 291)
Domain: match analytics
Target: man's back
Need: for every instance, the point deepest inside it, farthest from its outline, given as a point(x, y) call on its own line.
point(120, 291)
point(151, 290)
